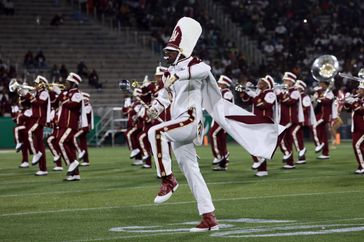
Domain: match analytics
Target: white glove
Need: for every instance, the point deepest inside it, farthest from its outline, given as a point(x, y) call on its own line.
point(56, 89)
point(127, 102)
point(350, 100)
point(152, 113)
point(251, 93)
point(277, 91)
point(168, 81)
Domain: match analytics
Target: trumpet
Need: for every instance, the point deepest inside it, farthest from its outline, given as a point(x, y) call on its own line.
point(245, 88)
point(20, 88)
point(51, 86)
point(280, 87)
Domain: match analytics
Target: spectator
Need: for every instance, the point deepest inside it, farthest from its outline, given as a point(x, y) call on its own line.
point(55, 73)
point(8, 6)
point(63, 72)
point(40, 60)
point(82, 69)
point(93, 80)
point(29, 60)
point(5, 107)
point(57, 20)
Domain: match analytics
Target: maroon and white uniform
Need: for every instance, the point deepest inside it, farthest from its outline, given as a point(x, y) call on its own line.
point(40, 114)
point(217, 135)
point(134, 128)
point(68, 121)
point(82, 132)
point(324, 115)
point(290, 107)
point(21, 130)
point(263, 105)
point(356, 106)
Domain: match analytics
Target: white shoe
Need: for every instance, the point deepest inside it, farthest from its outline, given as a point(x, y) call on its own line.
point(196, 230)
point(85, 164)
point(36, 158)
point(286, 157)
point(323, 157)
point(301, 162)
point(18, 147)
point(257, 164)
point(73, 178)
point(302, 152)
point(216, 161)
point(289, 166)
point(219, 168)
point(162, 199)
point(56, 158)
point(261, 173)
point(137, 163)
point(134, 152)
point(359, 171)
point(73, 166)
point(81, 154)
point(58, 168)
point(147, 166)
point(24, 165)
point(319, 147)
point(41, 173)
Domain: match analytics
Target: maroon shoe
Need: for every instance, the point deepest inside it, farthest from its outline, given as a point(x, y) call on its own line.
point(169, 185)
point(207, 223)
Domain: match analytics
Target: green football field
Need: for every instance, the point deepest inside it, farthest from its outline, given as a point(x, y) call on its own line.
point(319, 201)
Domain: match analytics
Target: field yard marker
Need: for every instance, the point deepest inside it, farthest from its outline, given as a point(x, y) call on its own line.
point(173, 203)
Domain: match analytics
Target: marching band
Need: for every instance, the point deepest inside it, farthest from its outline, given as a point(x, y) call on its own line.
point(64, 109)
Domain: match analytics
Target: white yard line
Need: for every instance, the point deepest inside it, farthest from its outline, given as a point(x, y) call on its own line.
point(143, 187)
point(174, 203)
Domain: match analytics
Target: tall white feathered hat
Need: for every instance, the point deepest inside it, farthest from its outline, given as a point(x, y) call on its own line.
point(185, 36)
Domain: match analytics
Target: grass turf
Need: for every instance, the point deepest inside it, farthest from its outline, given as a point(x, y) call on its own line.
point(318, 201)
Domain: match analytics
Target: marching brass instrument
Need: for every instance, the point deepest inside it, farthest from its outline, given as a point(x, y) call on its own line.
point(15, 86)
point(51, 86)
point(325, 68)
point(245, 87)
point(280, 86)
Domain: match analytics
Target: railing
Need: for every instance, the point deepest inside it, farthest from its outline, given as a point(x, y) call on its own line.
point(233, 31)
point(107, 126)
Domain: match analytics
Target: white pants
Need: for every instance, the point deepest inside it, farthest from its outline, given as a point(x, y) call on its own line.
point(181, 132)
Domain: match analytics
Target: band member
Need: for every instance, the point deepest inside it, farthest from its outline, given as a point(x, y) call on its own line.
point(193, 87)
point(337, 122)
point(71, 112)
point(21, 112)
point(355, 104)
point(217, 135)
point(263, 105)
point(40, 116)
point(309, 120)
point(324, 115)
point(52, 138)
point(291, 116)
point(82, 132)
point(134, 127)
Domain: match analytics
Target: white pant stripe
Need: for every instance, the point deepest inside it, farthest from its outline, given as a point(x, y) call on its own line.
point(294, 135)
point(75, 140)
point(128, 136)
point(315, 137)
point(141, 137)
point(16, 132)
point(214, 137)
point(30, 137)
point(50, 145)
point(61, 145)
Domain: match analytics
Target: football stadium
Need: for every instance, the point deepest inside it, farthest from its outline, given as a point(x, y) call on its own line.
point(187, 120)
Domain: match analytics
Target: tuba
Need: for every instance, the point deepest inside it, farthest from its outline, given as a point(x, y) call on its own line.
point(325, 68)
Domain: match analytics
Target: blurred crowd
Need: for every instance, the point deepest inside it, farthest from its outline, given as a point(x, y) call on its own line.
point(289, 33)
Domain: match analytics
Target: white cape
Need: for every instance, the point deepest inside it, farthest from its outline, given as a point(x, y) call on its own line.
point(258, 137)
